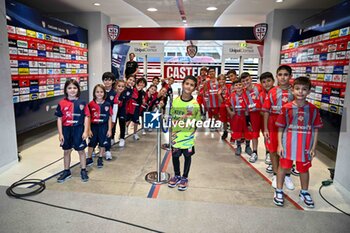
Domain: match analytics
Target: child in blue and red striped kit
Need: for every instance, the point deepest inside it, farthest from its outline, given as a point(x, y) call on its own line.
point(101, 124)
point(118, 88)
point(73, 128)
point(133, 105)
point(124, 97)
point(108, 79)
point(298, 125)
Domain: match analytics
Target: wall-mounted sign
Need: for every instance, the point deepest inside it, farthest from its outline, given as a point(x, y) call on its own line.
point(113, 31)
point(147, 48)
point(192, 50)
point(238, 49)
point(260, 31)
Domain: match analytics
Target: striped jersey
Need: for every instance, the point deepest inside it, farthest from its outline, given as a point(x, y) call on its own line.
point(73, 112)
point(212, 93)
point(251, 97)
point(237, 104)
point(100, 113)
point(276, 98)
point(299, 124)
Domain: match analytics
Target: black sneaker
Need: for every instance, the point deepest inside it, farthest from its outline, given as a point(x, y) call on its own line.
point(278, 198)
point(84, 176)
point(89, 162)
point(224, 135)
point(269, 169)
point(294, 171)
point(99, 162)
point(238, 151)
point(248, 150)
point(64, 176)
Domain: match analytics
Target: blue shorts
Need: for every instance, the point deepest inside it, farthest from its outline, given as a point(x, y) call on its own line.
point(99, 135)
point(73, 138)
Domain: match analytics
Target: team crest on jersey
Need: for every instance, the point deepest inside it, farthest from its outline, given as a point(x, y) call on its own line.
point(192, 50)
point(81, 106)
point(106, 108)
point(111, 97)
point(128, 93)
point(285, 99)
point(300, 118)
point(260, 31)
point(113, 31)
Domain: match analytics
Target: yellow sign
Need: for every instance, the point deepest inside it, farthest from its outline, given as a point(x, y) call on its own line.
point(31, 33)
point(23, 71)
point(334, 34)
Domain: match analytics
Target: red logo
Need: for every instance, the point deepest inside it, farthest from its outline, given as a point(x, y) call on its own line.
point(113, 31)
point(260, 31)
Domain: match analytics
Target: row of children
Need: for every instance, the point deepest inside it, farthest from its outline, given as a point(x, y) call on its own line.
point(115, 100)
point(289, 123)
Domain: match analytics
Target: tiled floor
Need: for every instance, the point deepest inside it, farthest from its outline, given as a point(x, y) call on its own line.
point(216, 176)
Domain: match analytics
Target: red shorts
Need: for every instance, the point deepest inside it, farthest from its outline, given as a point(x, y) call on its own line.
point(239, 128)
point(302, 167)
point(213, 112)
point(255, 119)
point(200, 99)
point(272, 142)
point(223, 113)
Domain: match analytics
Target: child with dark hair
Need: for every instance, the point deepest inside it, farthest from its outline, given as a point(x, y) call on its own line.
point(101, 124)
point(108, 80)
point(133, 105)
point(185, 108)
point(298, 125)
point(266, 80)
point(239, 117)
point(73, 128)
point(275, 99)
point(124, 97)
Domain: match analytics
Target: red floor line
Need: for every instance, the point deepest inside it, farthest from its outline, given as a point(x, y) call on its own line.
point(265, 178)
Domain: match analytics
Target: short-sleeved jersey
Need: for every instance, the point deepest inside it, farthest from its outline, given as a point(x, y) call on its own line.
point(135, 102)
point(276, 98)
point(299, 125)
point(237, 104)
point(251, 97)
point(100, 113)
point(224, 93)
point(184, 112)
point(73, 112)
point(111, 95)
point(123, 98)
point(212, 89)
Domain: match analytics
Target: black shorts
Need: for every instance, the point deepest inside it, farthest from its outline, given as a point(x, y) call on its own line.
point(73, 138)
point(99, 135)
point(176, 152)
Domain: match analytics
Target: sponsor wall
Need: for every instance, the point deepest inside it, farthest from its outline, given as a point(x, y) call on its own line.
point(320, 49)
point(44, 53)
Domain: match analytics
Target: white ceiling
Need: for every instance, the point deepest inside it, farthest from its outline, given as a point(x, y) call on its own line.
point(133, 13)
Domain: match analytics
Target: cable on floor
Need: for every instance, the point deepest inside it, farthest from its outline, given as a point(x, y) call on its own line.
point(38, 186)
point(324, 184)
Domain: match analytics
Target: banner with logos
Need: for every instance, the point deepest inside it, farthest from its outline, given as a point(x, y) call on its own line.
point(44, 53)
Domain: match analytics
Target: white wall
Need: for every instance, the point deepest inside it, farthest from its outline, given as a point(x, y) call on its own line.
point(99, 44)
point(8, 140)
point(277, 20)
point(342, 164)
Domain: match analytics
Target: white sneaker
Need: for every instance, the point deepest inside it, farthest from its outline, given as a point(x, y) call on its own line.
point(289, 183)
point(136, 137)
point(253, 158)
point(121, 143)
point(268, 159)
point(143, 132)
point(274, 182)
point(108, 155)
